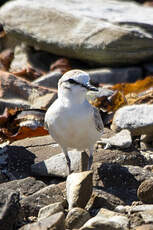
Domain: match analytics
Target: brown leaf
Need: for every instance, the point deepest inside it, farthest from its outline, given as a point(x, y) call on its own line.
point(2, 32)
point(6, 57)
point(25, 132)
point(144, 97)
point(137, 87)
point(28, 73)
point(110, 103)
point(18, 124)
point(63, 65)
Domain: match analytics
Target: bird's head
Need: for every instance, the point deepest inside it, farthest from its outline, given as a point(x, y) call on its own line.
point(75, 82)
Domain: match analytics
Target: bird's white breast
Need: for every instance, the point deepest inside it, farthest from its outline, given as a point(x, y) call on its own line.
point(72, 126)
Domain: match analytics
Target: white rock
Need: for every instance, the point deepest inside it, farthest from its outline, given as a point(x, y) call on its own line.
point(79, 189)
point(50, 210)
point(138, 119)
point(122, 140)
point(57, 165)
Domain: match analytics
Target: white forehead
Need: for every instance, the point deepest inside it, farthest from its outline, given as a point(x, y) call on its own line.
point(77, 75)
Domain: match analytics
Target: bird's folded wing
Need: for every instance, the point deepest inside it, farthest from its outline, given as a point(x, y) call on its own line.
point(98, 120)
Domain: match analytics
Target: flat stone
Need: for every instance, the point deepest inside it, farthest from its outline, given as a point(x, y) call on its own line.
point(25, 187)
point(49, 80)
point(76, 218)
point(13, 103)
point(114, 75)
point(138, 119)
point(101, 198)
point(147, 216)
point(121, 140)
point(12, 86)
point(57, 165)
point(9, 209)
point(134, 209)
point(145, 191)
point(50, 210)
point(20, 59)
point(88, 28)
point(106, 219)
point(31, 205)
point(43, 102)
point(54, 222)
point(144, 226)
point(142, 208)
point(79, 189)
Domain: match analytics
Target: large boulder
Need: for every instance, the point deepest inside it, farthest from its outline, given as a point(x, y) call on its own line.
point(102, 32)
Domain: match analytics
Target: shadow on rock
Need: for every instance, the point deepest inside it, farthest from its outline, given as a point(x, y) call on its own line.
point(119, 181)
point(19, 162)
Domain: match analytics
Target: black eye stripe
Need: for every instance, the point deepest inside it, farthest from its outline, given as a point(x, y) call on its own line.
point(72, 81)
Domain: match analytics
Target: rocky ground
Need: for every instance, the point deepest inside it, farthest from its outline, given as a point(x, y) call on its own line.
point(112, 41)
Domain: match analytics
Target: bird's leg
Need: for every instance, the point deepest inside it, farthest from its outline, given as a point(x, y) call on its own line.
point(90, 158)
point(68, 160)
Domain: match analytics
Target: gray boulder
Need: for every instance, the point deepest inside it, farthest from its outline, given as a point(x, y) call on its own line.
point(102, 32)
point(136, 118)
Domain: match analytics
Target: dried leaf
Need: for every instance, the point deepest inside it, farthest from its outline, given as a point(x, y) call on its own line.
point(137, 87)
point(62, 65)
point(6, 57)
point(28, 73)
point(2, 32)
point(144, 97)
point(110, 103)
point(18, 124)
point(25, 132)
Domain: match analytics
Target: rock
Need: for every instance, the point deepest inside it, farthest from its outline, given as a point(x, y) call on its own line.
point(122, 176)
point(122, 209)
point(43, 102)
point(25, 187)
point(54, 222)
point(76, 218)
point(134, 209)
point(146, 142)
point(79, 189)
point(9, 209)
point(49, 80)
point(18, 162)
point(88, 28)
point(20, 59)
point(114, 75)
point(121, 181)
point(138, 119)
point(147, 216)
point(145, 191)
point(144, 226)
point(57, 165)
point(13, 103)
point(31, 205)
point(106, 219)
point(50, 210)
point(103, 199)
point(121, 140)
point(15, 87)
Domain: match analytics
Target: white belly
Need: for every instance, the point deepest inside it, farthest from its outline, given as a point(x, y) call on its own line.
point(74, 130)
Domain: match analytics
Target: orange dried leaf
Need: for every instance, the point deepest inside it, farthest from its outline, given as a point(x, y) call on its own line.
point(145, 97)
point(110, 103)
point(137, 87)
point(25, 132)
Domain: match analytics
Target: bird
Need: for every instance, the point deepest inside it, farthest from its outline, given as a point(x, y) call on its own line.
point(71, 120)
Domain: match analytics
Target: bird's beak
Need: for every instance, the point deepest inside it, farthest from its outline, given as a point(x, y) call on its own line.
point(91, 87)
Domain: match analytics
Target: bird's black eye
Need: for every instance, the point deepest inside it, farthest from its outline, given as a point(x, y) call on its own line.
point(72, 81)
